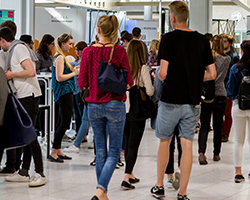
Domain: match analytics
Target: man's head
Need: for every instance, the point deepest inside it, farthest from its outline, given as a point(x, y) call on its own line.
point(228, 41)
point(6, 37)
point(136, 33)
point(10, 24)
point(178, 12)
point(28, 40)
point(126, 37)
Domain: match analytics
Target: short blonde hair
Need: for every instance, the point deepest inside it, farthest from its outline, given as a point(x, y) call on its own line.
point(179, 9)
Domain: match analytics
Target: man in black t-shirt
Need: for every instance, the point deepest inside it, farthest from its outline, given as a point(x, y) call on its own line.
point(186, 61)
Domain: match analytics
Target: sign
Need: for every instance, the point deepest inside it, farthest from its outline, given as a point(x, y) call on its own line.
point(148, 29)
point(6, 15)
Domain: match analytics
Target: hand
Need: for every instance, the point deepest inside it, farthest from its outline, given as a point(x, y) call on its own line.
point(9, 74)
point(128, 86)
point(76, 70)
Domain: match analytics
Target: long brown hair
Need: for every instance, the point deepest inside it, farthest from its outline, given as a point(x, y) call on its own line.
point(217, 46)
point(64, 38)
point(136, 57)
point(109, 27)
point(43, 46)
point(245, 60)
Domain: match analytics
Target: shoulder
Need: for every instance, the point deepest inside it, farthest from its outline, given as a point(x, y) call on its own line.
point(20, 48)
point(234, 69)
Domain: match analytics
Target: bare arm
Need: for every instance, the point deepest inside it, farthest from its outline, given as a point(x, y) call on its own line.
point(59, 64)
point(163, 70)
point(29, 71)
point(210, 73)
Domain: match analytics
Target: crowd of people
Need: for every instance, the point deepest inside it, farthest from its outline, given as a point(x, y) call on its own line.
point(204, 83)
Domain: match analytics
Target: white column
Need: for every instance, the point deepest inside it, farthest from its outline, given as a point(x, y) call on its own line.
point(147, 12)
point(200, 15)
point(29, 16)
point(248, 27)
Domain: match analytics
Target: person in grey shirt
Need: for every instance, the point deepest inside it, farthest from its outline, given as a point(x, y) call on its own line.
point(218, 106)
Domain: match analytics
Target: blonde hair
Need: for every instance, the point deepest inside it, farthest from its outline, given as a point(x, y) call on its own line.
point(217, 46)
point(109, 27)
point(136, 57)
point(179, 9)
point(153, 45)
point(64, 38)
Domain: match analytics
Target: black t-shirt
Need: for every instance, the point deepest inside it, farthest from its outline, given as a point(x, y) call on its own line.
point(188, 53)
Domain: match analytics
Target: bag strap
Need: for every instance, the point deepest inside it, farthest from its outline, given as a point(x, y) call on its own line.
point(10, 89)
point(111, 55)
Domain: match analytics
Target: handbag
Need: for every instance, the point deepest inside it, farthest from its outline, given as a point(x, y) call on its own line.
point(209, 91)
point(141, 106)
point(110, 78)
point(18, 126)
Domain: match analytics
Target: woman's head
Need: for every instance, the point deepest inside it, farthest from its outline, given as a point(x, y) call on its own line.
point(63, 45)
point(107, 27)
point(79, 47)
point(217, 45)
point(136, 57)
point(46, 45)
point(154, 45)
point(245, 59)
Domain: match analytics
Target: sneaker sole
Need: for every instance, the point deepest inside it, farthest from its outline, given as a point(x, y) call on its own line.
point(9, 180)
point(157, 196)
point(176, 182)
point(37, 185)
point(125, 188)
point(239, 180)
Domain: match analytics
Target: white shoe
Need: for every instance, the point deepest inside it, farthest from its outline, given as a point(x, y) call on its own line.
point(37, 180)
point(17, 178)
point(71, 149)
point(169, 184)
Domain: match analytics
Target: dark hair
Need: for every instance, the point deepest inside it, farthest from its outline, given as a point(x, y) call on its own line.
point(123, 32)
point(209, 36)
point(7, 34)
point(81, 45)
point(26, 38)
point(10, 24)
point(245, 60)
point(43, 46)
point(127, 36)
point(136, 32)
point(97, 38)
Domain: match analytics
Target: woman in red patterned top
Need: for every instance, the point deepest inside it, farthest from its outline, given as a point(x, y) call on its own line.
point(106, 110)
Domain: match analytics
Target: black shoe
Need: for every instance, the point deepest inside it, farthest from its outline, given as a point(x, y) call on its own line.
point(94, 198)
point(65, 157)
point(135, 180)
point(119, 163)
point(84, 140)
point(7, 171)
point(238, 178)
point(125, 185)
point(182, 197)
point(158, 191)
point(58, 160)
point(93, 163)
point(224, 138)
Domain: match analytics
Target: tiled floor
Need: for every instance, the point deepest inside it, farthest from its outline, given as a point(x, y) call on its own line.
point(75, 180)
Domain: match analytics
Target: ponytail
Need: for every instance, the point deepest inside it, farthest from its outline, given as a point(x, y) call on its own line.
point(114, 33)
point(64, 38)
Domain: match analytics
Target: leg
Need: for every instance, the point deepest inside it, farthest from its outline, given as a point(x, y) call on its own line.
point(186, 164)
point(227, 123)
point(77, 111)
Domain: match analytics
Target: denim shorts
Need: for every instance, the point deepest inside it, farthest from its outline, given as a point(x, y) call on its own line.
point(169, 115)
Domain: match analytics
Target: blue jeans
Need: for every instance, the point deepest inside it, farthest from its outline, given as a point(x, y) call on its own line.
point(107, 119)
point(84, 128)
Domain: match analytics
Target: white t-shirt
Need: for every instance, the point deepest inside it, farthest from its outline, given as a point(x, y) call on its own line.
point(25, 87)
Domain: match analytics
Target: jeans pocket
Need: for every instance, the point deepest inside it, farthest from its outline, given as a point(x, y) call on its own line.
point(115, 114)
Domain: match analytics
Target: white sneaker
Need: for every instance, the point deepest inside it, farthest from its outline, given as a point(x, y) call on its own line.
point(17, 178)
point(169, 184)
point(37, 180)
point(71, 149)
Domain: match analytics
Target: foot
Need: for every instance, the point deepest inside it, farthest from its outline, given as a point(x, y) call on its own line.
point(37, 180)
point(216, 158)
point(239, 178)
point(169, 184)
point(202, 159)
point(17, 178)
point(93, 163)
point(176, 182)
point(58, 160)
point(127, 186)
point(71, 149)
point(64, 157)
point(158, 191)
point(182, 197)
point(224, 138)
point(119, 164)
